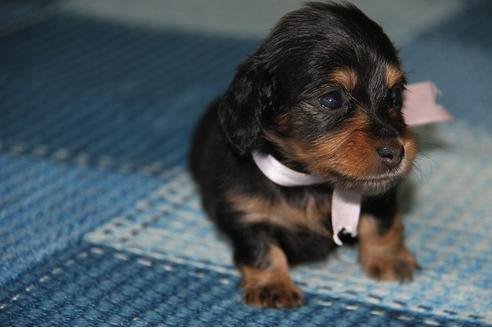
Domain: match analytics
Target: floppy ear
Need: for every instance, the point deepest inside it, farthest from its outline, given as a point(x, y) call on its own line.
point(246, 100)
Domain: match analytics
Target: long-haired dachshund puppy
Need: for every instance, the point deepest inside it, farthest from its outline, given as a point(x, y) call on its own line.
point(323, 96)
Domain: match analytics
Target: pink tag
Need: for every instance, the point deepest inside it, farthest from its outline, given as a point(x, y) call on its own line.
point(420, 107)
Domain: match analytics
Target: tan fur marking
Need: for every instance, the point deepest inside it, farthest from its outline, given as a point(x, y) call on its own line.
point(393, 75)
point(355, 155)
point(384, 256)
point(410, 147)
point(345, 77)
point(350, 151)
point(279, 212)
point(277, 269)
point(368, 234)
point(270, 286)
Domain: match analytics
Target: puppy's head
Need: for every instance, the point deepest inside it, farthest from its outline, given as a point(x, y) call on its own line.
point(324, 91)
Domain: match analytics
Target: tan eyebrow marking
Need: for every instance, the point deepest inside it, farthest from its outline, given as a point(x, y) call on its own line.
point(345, 76)
point(393, 75)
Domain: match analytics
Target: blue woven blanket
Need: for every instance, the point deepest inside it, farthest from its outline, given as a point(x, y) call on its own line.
point(100, 223)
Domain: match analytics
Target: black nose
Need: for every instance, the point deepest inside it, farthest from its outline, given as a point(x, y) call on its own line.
point(391, 155)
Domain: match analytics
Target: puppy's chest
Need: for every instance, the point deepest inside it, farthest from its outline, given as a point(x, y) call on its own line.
point(309, 211)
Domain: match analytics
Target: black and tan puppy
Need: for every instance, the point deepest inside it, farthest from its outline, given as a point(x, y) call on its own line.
point(323, 95)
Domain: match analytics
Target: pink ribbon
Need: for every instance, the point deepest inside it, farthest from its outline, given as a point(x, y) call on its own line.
point(419, 108)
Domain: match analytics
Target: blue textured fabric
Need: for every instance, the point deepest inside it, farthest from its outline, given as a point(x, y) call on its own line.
point(108, 90)
point(44, 206)
point(456, 56)
point(100, 223)
point(94, 285)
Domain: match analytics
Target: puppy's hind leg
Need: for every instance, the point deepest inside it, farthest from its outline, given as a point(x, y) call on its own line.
point(263, 264)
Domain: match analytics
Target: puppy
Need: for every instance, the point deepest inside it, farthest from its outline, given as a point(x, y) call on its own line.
point(322, 95)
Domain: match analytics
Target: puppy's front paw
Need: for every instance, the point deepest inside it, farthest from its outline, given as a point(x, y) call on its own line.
point(273, 295)
point(396, 265)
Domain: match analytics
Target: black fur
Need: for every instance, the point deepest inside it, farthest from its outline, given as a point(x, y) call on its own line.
point(291, 67)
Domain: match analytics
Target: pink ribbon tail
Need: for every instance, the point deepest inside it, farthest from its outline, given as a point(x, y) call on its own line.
point(420, 107)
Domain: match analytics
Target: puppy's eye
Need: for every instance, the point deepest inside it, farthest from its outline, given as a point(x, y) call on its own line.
point(332, 100)
point(396, 95)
